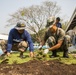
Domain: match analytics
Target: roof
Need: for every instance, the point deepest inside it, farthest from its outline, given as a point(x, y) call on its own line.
point(3, 37)
point(72, 22)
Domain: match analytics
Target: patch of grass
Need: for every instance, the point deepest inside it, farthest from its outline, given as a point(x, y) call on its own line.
point(15, 59)
point(70, 60)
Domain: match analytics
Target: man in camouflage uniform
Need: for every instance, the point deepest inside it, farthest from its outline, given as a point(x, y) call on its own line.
point(55, 37)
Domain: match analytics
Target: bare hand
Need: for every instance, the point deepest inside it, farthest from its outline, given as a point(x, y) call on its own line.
point(8, 53)
point(31, 54)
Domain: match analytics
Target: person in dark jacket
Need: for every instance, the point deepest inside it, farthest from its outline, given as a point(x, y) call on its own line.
point(58, 24)
point(51, 20)
point(19, 39)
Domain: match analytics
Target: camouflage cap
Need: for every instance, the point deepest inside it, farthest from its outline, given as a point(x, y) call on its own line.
point(20, 26)
point(50, 21)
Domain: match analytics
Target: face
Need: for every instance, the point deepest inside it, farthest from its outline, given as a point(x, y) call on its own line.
point(57, 21)
point(53, 29)
point(21, 31)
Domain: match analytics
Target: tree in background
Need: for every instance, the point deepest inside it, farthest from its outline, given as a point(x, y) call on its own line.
point(64, 25)
point(35, 17)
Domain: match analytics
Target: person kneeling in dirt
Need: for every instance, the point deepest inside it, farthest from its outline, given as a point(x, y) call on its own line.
point(56, 39)
point(19, 39)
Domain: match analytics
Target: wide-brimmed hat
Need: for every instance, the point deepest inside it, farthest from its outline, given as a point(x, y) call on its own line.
point(20, 26)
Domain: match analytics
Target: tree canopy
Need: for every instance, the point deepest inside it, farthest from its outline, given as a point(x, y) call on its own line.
point(35, 16)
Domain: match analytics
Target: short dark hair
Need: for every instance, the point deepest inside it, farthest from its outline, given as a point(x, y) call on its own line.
point(58, 18)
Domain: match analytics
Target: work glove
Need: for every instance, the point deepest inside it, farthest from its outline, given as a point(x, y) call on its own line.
point(45, 51)
point(40, 47)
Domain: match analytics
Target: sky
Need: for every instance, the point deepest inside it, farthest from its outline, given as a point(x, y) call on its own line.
point(8, 7)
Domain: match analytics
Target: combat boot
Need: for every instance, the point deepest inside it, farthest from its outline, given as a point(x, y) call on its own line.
point(65, 55)
point(54, 54)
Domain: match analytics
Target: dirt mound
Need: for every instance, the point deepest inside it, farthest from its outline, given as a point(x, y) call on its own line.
point(36, 67)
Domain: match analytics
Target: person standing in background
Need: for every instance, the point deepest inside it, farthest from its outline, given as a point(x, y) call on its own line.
point(58, 24)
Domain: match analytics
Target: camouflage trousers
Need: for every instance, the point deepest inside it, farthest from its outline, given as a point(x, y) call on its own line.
point(22, 46)
point(64, 47)
point(3, 45)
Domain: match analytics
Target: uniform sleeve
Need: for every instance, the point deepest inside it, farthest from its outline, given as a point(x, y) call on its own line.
point(46, 36)
point(30, 42)
point(61, 35)
point(10, 41)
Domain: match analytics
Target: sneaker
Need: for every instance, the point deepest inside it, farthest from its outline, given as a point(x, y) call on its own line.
point(3, 54)
point(21, 55)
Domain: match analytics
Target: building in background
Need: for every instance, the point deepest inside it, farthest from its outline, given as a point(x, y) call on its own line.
point(72, 23)
point(71, 29)
point(3, 37)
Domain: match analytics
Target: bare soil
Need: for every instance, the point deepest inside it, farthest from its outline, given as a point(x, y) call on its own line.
point(37, 67)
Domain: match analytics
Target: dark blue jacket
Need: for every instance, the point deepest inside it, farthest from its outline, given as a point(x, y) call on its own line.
point(15, 37)
point(59, 25)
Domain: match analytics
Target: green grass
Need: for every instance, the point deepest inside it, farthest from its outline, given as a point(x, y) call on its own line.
point(14, 58)
point(70, 60)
